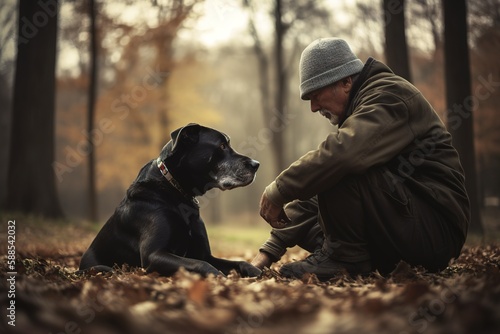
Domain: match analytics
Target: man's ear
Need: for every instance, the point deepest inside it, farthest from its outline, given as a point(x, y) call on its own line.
point(189, 134)
point(346, 84)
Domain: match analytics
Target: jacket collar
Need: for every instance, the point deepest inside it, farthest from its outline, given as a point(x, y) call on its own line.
point(365, 73)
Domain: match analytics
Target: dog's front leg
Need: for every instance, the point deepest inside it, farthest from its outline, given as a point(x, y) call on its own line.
point(167, 264)
point(244, 268)
point(200, 238)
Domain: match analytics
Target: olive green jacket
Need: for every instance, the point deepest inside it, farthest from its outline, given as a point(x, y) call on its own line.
point(388, 124)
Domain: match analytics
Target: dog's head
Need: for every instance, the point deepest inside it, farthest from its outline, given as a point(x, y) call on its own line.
point(201, 158)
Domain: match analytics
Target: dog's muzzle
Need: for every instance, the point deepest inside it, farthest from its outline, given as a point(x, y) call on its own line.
point(237, 175)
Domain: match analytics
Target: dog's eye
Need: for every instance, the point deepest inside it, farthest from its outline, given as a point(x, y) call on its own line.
point(223, 146)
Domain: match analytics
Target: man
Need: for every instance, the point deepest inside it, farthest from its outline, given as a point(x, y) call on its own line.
point(387, 185)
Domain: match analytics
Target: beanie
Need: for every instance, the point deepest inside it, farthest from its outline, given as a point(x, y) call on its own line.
point(325, 61)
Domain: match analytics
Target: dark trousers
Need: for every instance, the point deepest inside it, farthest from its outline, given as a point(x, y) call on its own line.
point(370, 217)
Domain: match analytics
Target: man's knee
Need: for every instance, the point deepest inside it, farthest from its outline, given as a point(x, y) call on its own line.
point(298, 211)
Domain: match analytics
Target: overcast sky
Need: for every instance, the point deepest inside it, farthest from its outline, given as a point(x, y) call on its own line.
point(219, 22)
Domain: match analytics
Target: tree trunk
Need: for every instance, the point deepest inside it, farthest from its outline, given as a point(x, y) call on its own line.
point(31, 180)
point(273, 101)
point(92, 193)
point(279, 112)
point(459, 98)
point(263, 65)
point(396, 48)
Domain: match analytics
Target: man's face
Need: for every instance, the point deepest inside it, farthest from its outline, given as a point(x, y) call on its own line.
point(331, 101)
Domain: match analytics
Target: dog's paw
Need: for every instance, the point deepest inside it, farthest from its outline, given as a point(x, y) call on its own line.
point(248, 270)
point(206, 269)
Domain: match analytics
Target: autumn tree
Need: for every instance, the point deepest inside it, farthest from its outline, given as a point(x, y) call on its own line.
point(136, 61)
point(31, 183)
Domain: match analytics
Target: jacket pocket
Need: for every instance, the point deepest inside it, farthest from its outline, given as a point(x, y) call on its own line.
point(396, 193)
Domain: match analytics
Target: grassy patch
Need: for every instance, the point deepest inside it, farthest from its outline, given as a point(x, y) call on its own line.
point(225, 237)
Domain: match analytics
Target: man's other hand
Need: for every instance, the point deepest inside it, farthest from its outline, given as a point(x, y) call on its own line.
point(272, 213)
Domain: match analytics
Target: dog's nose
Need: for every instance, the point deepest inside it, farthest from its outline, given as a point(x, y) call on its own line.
point(253, 164)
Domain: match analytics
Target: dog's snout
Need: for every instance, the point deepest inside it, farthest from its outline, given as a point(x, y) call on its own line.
point(253, 164)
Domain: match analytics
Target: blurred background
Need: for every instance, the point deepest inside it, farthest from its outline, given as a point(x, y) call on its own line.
point(89, 93)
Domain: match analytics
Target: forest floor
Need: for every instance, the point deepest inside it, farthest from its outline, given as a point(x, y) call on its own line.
point(51, 298)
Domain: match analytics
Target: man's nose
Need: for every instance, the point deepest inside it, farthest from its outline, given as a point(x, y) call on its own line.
point(314, 106)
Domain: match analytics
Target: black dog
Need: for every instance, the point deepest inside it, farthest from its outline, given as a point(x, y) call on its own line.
point(157, 225)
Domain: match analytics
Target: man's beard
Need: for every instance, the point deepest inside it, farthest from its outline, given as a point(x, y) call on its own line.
point(333, 119)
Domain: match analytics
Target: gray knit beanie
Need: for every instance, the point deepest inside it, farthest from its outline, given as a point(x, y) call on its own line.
point(325, 61)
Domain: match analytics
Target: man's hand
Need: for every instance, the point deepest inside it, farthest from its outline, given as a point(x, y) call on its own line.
point(272, 213)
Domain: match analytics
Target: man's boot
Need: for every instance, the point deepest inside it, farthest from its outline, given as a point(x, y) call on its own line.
point(323, 266)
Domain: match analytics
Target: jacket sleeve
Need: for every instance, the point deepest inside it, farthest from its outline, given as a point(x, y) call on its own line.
point(376, 132)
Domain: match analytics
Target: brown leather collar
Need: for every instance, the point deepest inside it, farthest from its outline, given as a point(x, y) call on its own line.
point(170, 178)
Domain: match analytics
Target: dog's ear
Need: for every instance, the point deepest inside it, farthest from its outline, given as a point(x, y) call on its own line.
point(189, 134)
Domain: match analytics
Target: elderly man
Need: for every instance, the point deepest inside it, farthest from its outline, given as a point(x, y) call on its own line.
point(385, 186)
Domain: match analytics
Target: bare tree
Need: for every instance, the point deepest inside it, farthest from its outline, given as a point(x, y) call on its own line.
point(483, 15)
point(430, 11)
point(7, 34)
point(286, 15)
point(458, 98)
point(486, 68)
point(396, 48)
point(92, 193)
point(31, 181)
point(262, 63)
point(7, 15)
point(281, 77)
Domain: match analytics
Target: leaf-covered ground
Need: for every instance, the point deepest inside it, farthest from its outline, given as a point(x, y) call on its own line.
point(51, 298)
